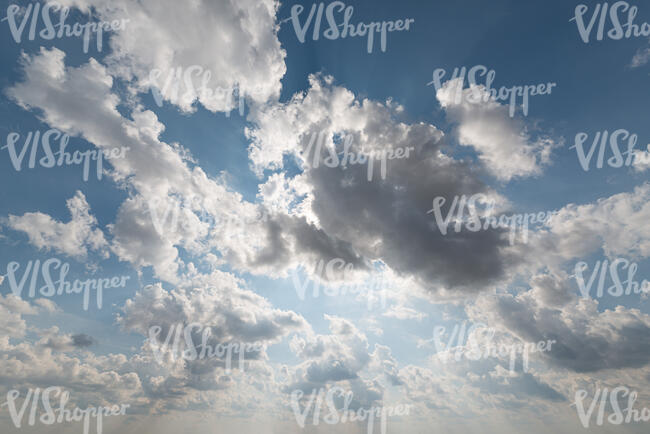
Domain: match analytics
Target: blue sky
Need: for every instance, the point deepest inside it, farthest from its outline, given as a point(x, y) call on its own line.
point(239, 279)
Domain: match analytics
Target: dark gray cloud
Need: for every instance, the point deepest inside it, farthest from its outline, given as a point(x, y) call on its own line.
point(382, 219)
point(586, 340)
point(82, 340)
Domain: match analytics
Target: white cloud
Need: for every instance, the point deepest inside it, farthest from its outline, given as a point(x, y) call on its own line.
point(640, 58)
point(404, 312)
point(215, 300)
point(615, 224)
point(158, 172)
point(235, 41)
point(12, 325)
point(47, 305)
point(74, 238)
point(504, 145)
point(641, 160)
point(319, 213)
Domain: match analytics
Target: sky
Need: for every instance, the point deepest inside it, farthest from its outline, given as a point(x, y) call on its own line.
point(236, 210)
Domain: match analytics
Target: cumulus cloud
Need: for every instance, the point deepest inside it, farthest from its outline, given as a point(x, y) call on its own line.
point(47, 305)
point(467, 389)
point(57, 341)
point(74, 238)
point(613, 224)
point(385, 219)
point(12, 324)
point(343, 359)
point(593, 346)
point(314, 215)
point(587, 340)
point(330, 358)
point(302, 216)
point(216, 301)
point(47, 361)
point(171, 205)
point(503, 144)
point(159, 173)
point(234, 42)
point(66, 360)
point(641, 160)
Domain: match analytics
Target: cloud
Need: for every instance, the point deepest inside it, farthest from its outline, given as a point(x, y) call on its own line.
point(217, 303)
point(66, 360)
point(82, 340)
point(404, 312)
point(587, 340)
point(641, 57)
point(503, 144)
point(614, 224)
point(214, 300)
point(46, 362)
point(155, 173)
point(466, 389)
point(64, 342)
point(301, 217)
point(341, 358)
point(74, 238)
point(330, 358)
point(12, 325)
point(236, 42)
point(47, 305)
point(326, 218)
point(137, 241)
point(641, 160)
point(383, 219)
